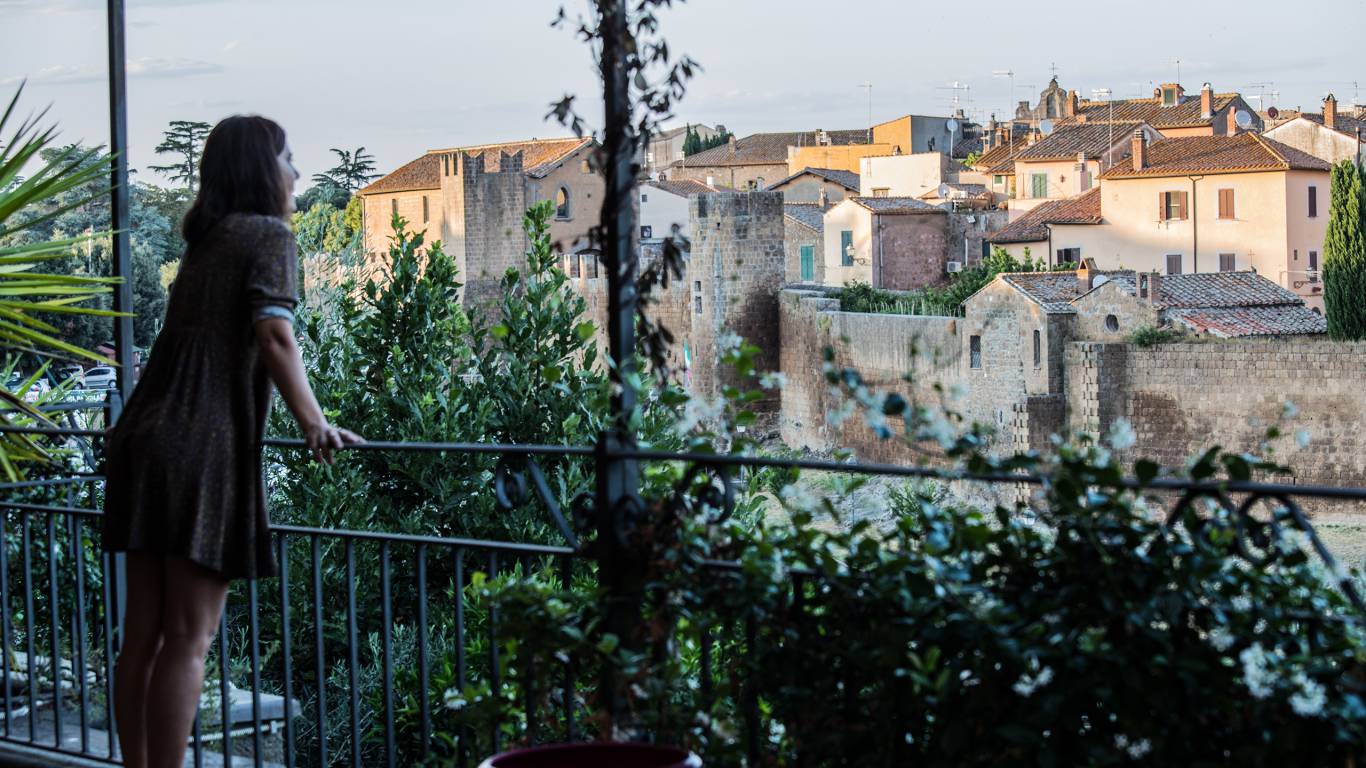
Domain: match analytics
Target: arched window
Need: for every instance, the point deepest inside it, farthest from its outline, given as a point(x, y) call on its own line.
point(562, 203)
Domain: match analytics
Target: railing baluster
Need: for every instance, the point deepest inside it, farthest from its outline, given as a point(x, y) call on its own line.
point(252, 608)
point(751, 692)
point(566, 576)
point(28, 627)
point(461, 750)
point(390, 746)
point(78, 644)
point(4, 619)
point(495, 681)
point(353, 654)
point(320, 650)
point(54, 630)
point(107, 577)
point(198, 738)
point(285, 656)
point(225, 698)
point(423, 673)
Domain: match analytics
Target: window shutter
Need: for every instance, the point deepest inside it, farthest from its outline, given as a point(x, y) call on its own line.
point(1162, 206)
point(1181, 200)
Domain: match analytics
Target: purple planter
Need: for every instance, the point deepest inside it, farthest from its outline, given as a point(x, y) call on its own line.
point(595, 755)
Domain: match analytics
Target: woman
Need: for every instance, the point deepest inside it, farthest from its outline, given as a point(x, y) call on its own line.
point(184, 495)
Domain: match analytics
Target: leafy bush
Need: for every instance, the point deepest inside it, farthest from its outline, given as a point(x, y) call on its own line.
point(937, 300)
point(1148, 336)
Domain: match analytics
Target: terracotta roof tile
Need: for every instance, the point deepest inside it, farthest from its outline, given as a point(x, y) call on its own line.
point(807, 214)
point(1187, 114)
point(1218, 154)
point(1091, 138)
point(1001, 159)
point(847, 179)
point(539, 157)
point(1280, 320)
point(682, 187)
point(1345, 124)
point(768, 148)
point(1030, 227)
point(896, 205)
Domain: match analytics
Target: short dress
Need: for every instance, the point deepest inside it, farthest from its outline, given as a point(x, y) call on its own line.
point(183, 462)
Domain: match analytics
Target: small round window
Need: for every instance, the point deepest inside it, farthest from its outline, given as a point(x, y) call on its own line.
point(1111, 323)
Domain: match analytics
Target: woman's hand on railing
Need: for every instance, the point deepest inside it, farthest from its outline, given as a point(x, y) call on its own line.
point(323, 438)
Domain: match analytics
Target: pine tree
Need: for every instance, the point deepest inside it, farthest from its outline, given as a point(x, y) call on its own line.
point(186, 139)
point(1344, 256)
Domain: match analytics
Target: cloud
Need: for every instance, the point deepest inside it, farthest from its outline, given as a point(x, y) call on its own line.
point(231, 45)
point(149, 67)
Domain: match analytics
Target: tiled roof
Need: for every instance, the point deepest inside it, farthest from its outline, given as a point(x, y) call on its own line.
point(1187, 114)
point(1224, 304)
point(896, 205)
point(966, 147)
point(422, 173)
point(807, 214)
point(1091, 138)
point(963, 190)
point(539, 157)
point(1054, 291)
point(847, 179)
point(1218, 154)
point(1345, 124)
point(1030, 227)
point(682, 187)
point(768, 148)
point(1001, 159)
point(1280, 320)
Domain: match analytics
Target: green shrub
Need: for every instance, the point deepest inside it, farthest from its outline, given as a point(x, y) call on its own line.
point(1147, 336)
point(945, 300)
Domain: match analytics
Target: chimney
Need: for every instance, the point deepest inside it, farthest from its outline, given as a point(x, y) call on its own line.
point(731, 145)
point(1330, 112)
point(1072, 106)
point(1207, 101)
point(1085, 276)
point(822, 199)
point(1154, 287)
point(1232, 127)
point(1140, 149)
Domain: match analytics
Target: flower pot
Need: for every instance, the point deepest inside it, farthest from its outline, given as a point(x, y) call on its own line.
point(603, 754)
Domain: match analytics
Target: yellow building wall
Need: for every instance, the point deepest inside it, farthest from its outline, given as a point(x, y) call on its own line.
point(1063, 181)
point(378, 218)
point(1095, 241)
point(1177, 133)
point(844, 157)
point(895, 133)
point(1304, 234)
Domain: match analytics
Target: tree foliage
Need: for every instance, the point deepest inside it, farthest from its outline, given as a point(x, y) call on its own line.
point(1344, 255)
point(354, 169)
point(183, 139)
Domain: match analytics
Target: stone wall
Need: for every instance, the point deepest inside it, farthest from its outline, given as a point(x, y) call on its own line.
point(912, 250)
point(1183, 398)
point(968, 230)
point(795, 235)
point(735, 271)
point(882, 348)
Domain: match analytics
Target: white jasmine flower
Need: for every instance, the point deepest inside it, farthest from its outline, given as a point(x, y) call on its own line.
point(1221, 639)
point(699, 410)
point(453, 700)
point(728, 341)
point(1241, 603)
point(1309, 698)
point(773, 380)
point(1259, 674)
point(1138, 749)
point(1028, 684)
point(841, 413)
point(1122, 436)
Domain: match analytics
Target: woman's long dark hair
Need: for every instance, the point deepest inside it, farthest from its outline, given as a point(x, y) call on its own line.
point(239, 172)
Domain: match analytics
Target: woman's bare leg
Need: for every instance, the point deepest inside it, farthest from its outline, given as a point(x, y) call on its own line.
point(137, 657)
point(189, 623)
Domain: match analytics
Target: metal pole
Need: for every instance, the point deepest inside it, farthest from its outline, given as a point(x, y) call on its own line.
point(118, 208)
point(621, 569)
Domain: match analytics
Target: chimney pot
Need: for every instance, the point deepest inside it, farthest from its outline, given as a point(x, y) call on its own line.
point(1140, 149)
point(1072, 106)
point(1207, 101)
point(1330, 112)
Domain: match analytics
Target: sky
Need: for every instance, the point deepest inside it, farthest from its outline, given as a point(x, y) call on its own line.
point(402, 76)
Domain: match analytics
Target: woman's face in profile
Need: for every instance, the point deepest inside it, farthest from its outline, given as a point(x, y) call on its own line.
point(290, 174)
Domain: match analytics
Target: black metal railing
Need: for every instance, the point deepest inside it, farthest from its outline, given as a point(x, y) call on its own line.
point(337, 671)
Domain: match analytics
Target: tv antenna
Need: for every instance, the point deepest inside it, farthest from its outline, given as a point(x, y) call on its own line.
point(1178, 71)
point(1010, 103)
point(869, 86)
point(957, 88)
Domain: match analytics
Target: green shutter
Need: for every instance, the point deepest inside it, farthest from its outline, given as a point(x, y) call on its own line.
point(846, 240)
point(1040, 185)
point(808, 263)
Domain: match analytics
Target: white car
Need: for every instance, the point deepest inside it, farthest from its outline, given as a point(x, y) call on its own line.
point(37, 390)
point(100, 377)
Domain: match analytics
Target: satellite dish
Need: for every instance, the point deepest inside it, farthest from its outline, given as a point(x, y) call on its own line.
point(944, 191)
point(1100, 280)
point(1273, 113)
point(1045, 127)
point(952, 125)
point(1243, 119)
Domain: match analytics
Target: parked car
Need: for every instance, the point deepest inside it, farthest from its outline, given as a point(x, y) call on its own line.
point(13, 381)
point(37, 389)
point(69, 372)
point(100, 377)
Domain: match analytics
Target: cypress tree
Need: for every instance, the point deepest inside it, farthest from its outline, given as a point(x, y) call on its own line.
point(692, 143)
point(1344, 256)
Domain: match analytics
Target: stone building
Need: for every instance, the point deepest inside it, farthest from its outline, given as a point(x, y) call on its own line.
point(817, 185)
point(666, 147)
point(804, 242)
point(664, 208)
point(1057, 232)
point(1170, 111)
point(1330, 135)
point(472, 199)
point(760, 159)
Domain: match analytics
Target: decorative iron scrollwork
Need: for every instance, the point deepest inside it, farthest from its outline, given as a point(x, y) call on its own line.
point(511, 478)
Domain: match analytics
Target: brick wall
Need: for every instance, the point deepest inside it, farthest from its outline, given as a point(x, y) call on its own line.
point(913, 250)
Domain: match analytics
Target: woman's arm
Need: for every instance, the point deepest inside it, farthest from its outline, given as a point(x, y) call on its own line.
point(275, 338)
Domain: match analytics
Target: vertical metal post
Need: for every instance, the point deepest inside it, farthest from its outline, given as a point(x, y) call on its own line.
point(620, 569)
point(118, 202)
